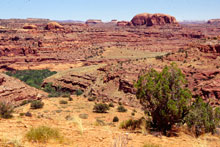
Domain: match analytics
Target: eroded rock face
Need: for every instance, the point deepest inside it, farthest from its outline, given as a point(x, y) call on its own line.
point(153, 19)
point(210, 48)
point(53, 25)
point(123, 23)
point(14, 90)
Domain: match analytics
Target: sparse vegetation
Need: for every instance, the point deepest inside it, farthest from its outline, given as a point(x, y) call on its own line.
point(55, 91)
point(43, 134)
point(79, 92)
point(63, 102)
point(121, 108)
point(111, 105)
point(6, 110)
point(101, 108)
point(131, 124)
point(37, 104)
point(25, 102)
point(151, 145)
point(201, 118)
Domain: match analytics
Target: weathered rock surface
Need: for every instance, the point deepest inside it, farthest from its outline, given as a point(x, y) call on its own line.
point(123, 23)
point(29, 26)
point(153, 19)
point(14, 90)
point(53, 25)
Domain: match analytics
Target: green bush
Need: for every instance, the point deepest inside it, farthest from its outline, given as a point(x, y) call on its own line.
point(43, 134)
point(63, 102)
point(6, 110)
point(121, 108)
point(201, 118)
point(33, 78)
point(25, 102)
point(79, 92)
point(164, 96)
point(37, 104)
point(115, 119)
point(111, 105)
point(101, 108)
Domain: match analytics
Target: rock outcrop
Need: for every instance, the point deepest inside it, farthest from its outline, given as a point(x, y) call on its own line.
point(153, 19)
point(214, 21)
point(93, 21)
point(14, 90)
point(123, 23)
point(29, 26)
point(53, 25)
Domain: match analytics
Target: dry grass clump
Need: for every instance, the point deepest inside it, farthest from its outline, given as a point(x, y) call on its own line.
point(43, 134)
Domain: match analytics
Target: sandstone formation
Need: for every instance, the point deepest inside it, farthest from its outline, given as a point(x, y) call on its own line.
point(14, 90)
point(1, 27)
point(123, 23)
point(153, 19)
point(53, 25)
point(29, 26)
point(93, 21)
point(214, 21)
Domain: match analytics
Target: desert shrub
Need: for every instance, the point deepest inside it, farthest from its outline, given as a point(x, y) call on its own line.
point(33, 78)
point(99, 122)
point(159, 57)
point(131, 124)
point(70, 99)
point(28, 114)
point(25, 102)
point(6, 110)
point(79, 92)
point(111, 105)
point(43, 134)
point(37, 104)
point(201, 117)
point(115, 119)
point(132, 113)
point(65, 94)
point(63, 102)
point(55, 91)
point(121, 108)
point(101, 108)
point(164, 96)
point(83, 116)
point(91, 99)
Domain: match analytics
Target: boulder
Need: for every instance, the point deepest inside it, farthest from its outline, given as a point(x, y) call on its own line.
point(153, 19)
point(29, 26)
point(53, 25)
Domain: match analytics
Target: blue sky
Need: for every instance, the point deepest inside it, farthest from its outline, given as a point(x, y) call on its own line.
point(108, 9)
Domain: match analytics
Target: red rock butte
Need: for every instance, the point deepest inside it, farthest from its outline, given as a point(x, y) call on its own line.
point(153, 19)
